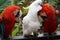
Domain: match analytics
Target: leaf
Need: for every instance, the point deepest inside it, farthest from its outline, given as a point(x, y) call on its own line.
point(5, 4)
point(53, 2)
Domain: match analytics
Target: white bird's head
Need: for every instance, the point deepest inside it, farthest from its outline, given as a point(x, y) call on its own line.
point(37, 2)
point(36, 6)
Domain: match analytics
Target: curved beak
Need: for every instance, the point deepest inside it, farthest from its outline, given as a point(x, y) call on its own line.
point(18, 14)
point(41, 4)
point(43, 15)
point(17, 20)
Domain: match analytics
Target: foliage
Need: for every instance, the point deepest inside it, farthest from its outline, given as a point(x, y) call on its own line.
point(1, 11)
point(17, 29)
point(53, 2)
point(4, 3)
point(58, 3)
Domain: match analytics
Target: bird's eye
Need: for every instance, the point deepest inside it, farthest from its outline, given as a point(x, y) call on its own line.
point(41, 4)
point(17, 15)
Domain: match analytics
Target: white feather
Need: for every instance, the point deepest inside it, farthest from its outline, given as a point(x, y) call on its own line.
point(30, 21)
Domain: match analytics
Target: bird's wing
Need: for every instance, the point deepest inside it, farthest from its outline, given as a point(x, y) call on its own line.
point(25, 21)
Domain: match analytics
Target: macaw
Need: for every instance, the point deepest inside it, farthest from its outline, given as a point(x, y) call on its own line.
point(48, 13)
point(10, 16)
point(30, 21)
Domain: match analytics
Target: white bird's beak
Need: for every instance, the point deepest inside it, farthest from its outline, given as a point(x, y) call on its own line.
point(41, 4)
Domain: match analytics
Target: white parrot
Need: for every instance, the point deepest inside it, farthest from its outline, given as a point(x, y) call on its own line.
point(30, 21)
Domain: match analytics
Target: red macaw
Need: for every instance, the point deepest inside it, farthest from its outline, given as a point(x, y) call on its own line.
point(9, 18)
point(50, 23)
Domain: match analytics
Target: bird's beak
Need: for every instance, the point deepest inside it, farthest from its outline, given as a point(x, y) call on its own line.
point(43, 15)
point(17, 20)
point(41, 4)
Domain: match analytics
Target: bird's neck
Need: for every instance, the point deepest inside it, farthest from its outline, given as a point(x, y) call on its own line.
point(33, 17)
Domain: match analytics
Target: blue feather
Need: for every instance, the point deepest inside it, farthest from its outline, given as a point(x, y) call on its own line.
point(2, 30)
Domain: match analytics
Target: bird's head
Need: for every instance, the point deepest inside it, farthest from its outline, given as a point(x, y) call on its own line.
point(39, 2)
point(11, 13)
point(35, 6)
point(47, 11)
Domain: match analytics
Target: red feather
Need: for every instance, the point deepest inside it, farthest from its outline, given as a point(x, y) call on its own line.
point(50, 24)
point(9, 19)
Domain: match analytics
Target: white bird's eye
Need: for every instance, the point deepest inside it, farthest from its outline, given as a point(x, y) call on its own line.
point(41, 4)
